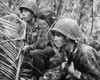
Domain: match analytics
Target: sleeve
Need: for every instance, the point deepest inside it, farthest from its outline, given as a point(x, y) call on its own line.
point(89, 63)
point(42, 38)
point(43, 28)
point(48, 51)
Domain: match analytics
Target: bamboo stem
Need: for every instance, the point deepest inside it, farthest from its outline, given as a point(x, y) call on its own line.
point(50, 28)
point(19, 66)
point(20, 51)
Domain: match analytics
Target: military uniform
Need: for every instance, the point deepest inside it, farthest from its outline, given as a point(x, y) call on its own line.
point(85, 58)
point(40, 50)
point(37, 32)
point(95, 44)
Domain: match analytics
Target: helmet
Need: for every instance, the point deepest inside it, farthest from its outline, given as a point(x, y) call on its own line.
point(68, 27)
point(29, 4)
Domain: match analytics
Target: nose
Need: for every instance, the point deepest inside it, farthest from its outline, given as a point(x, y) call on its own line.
point(23, 14)
point(55, 38)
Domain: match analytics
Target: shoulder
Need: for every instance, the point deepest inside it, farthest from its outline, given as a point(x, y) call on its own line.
point(85, 48)
point(86, 51)
point(42, 23)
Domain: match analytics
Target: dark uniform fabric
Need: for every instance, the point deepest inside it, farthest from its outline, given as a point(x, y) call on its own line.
point(87, 60)
point(36, 32)
point(36, 60)
point(95, 44)
point(41, 59)
point(41, 53)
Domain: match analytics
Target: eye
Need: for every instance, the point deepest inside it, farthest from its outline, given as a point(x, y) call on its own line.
point(57, 34)
point(67, 38)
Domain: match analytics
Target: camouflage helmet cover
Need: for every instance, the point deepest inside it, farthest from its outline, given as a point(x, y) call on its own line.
point(29, 4)
point(68, 27)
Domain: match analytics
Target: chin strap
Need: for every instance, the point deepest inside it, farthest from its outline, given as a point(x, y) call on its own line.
point(72, 54)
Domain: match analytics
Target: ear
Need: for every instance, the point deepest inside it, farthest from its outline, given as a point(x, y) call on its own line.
point(33, 18)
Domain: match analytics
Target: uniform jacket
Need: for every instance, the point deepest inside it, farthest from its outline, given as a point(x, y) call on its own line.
point(36, 32)
point(87, 60)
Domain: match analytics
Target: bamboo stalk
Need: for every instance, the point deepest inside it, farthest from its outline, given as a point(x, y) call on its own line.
point(19, 66)
point(20, 51)
point(20, 56)
point(50, 28)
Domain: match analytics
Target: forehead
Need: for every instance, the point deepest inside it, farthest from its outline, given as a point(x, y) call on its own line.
point(56, 33)
point(26, 9)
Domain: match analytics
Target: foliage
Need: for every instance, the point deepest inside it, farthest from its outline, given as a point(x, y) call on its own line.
point(85, 12)
point(12, 29)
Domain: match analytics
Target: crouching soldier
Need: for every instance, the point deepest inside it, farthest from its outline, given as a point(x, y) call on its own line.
point(83, 60)
point(37, 47)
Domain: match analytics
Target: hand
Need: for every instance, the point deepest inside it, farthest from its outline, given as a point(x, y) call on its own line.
point(25, 48)
point(63, 65)
point(77, 74)
point(71, 68)
point(74, 72)
point(22, 79)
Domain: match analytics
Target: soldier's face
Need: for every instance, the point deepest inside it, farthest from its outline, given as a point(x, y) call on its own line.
point(26, 14)
point(59, 39)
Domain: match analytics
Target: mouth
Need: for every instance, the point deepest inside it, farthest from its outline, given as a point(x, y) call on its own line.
point(56, 44)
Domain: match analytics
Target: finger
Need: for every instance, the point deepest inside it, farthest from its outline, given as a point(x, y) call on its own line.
point(77, 74)
point(63, 65)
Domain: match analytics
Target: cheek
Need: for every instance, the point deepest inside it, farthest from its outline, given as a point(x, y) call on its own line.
point(58, 41)
point(28, 15)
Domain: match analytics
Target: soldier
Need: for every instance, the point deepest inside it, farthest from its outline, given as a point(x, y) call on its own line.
point(95, 43)
point(37, 46)
point(83, 61)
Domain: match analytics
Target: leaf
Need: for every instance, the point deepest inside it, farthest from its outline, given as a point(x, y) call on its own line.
point(7, 69)
point(11, 29)
point(8, 53)
point(2, 71)
point(7, 59)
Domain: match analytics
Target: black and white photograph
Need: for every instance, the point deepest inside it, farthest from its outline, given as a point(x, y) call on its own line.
point(49, 39)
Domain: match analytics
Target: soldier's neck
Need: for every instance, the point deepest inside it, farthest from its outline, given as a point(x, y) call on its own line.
point(31, 21)
point(69, 46)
